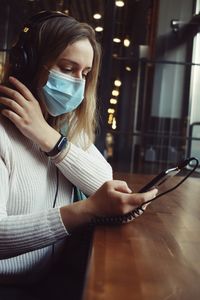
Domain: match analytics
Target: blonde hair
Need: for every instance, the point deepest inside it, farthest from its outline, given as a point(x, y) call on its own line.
point(48, 39)
point(84, 119)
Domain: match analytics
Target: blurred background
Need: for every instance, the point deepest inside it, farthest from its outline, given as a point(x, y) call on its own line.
point(148, 93)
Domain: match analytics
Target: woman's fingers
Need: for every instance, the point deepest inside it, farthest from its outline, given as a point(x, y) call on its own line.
point(21, 88)
point(140, 198)
point(19, 93)
point(12, 105)
point(15, 118)
point(114, 198)
point(12, 94)
point(121, 186)
point(131, 201)
point(132, 204)
point(144, 206)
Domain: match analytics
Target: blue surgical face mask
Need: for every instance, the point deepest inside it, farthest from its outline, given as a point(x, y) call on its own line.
point(63, 93)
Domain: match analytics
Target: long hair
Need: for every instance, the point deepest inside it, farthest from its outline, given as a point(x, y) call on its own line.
point(49, 39)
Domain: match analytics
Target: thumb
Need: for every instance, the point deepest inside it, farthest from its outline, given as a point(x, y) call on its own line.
point(139, 198)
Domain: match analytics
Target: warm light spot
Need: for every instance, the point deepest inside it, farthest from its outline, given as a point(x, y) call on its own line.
point(128, 68)
point(26, 29)
point(116, 40)
point(115, 93)
point(119, 3)
point(117, 82)
point(99, 29)
point(127, 42)
point(114, 124)
point(97, 16)
point(111, 111)
point(113, 101)
point(110, 118)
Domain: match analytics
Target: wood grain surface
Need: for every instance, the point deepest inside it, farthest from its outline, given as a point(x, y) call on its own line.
point(157, 256)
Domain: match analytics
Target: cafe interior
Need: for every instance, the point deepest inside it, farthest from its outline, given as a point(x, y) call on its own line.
point(149, 121)
point(148, 85)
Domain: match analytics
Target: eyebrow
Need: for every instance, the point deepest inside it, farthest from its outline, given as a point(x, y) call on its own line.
point(74, 63)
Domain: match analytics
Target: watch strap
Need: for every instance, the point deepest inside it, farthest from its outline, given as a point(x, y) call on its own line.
point(60, 145)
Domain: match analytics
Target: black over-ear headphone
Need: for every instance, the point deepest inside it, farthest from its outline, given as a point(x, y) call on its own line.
point(23, 55)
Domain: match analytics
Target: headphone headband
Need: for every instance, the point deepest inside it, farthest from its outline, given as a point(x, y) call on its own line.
point(45, 15)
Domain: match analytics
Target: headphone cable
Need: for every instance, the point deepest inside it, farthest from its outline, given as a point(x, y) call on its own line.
point(57, 184)
point(54, 204)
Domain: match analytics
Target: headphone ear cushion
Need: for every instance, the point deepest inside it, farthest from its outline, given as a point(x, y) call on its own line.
point(22, 61)
point(18, 60)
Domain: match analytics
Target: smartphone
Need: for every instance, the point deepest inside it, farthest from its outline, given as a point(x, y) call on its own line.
point(163, 176)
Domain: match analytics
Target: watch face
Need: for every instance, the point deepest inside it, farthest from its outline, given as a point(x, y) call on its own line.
point(62, 143)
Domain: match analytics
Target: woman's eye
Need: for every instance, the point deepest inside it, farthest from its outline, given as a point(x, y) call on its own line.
point(66, 70)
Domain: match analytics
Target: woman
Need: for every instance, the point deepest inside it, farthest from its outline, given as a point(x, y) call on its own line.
point(46, 146)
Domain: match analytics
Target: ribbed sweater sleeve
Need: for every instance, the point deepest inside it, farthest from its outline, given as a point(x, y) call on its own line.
point(87, 170)
point(23, 233)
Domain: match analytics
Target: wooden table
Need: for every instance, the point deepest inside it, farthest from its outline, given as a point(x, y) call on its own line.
point(157, 256)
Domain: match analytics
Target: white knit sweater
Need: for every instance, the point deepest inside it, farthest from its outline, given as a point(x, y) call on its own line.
point(28, 222)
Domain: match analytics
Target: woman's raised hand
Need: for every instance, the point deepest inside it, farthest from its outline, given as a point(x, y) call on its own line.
point(25, 112)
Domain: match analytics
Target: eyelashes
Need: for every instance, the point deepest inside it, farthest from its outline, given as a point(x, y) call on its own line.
point(72, 73)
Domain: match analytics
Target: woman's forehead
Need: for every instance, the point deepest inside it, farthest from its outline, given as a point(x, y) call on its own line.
point(79, 52)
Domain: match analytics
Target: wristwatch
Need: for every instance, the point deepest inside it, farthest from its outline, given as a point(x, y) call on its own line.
point(60, 145)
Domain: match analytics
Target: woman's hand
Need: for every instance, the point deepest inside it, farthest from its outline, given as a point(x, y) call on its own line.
point(113, 198)
point(25, 112)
